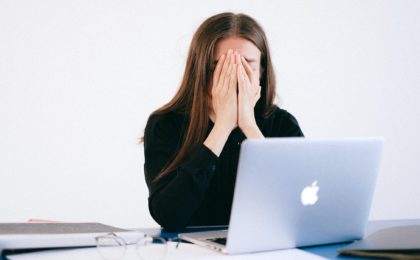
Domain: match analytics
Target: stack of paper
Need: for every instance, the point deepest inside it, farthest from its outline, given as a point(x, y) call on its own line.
point(15, 236)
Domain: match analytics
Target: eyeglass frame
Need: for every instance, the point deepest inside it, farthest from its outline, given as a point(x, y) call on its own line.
point(124, 244)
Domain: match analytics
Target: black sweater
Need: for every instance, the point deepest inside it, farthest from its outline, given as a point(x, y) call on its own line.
point(200, 191)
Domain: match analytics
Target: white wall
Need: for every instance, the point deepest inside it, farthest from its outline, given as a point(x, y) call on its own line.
point(79, 78)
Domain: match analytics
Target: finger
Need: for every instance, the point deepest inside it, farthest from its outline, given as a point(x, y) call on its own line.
point(225, 85)
point(238, 59)
point(240, 80)
point(247, 71)
point(239, 70)
point(248, 68)
point(233, 61)
point(247, 85)
point(218, 70)
point(243, 74)
point(225, 68)
point(233, 79)
point(226, 79)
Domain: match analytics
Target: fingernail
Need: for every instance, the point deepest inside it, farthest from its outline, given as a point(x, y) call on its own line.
point(230, 51)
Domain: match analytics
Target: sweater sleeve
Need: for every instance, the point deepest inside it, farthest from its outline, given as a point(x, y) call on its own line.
point(174, 198)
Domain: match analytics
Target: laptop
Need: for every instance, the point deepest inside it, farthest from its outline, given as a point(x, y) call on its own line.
point(297, 192)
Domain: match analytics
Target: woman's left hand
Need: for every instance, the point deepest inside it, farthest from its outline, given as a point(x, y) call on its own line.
point(248, 95)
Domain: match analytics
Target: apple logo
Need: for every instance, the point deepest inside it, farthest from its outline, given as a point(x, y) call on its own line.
point(309, 195)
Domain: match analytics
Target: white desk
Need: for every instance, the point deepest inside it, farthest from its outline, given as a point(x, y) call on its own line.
point(184, 251)
point(189, 251)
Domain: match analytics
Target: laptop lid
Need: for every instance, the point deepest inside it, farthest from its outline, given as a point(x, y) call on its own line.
point(294, 192)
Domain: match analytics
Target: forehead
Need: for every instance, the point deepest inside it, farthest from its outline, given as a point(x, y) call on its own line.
point(244, 47)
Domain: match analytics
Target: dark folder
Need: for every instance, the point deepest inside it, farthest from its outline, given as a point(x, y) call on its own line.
point(401, 242)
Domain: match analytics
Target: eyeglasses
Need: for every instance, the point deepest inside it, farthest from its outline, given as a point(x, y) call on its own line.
point(113, 247)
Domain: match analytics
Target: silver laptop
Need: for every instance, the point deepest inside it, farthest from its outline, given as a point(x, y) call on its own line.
point(295, 192)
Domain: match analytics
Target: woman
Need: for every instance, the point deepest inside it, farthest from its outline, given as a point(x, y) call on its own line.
point(192, 143)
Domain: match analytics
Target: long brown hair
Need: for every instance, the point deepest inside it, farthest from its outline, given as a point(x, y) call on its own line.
point(192, 96)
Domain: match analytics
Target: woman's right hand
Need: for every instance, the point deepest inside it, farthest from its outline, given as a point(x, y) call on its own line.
point(224, 103)
point(224, 92)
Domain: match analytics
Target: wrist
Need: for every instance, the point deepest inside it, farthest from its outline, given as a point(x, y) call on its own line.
point(248, 126)
point(217, 138)
point(252, 131)
point(224, 127)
